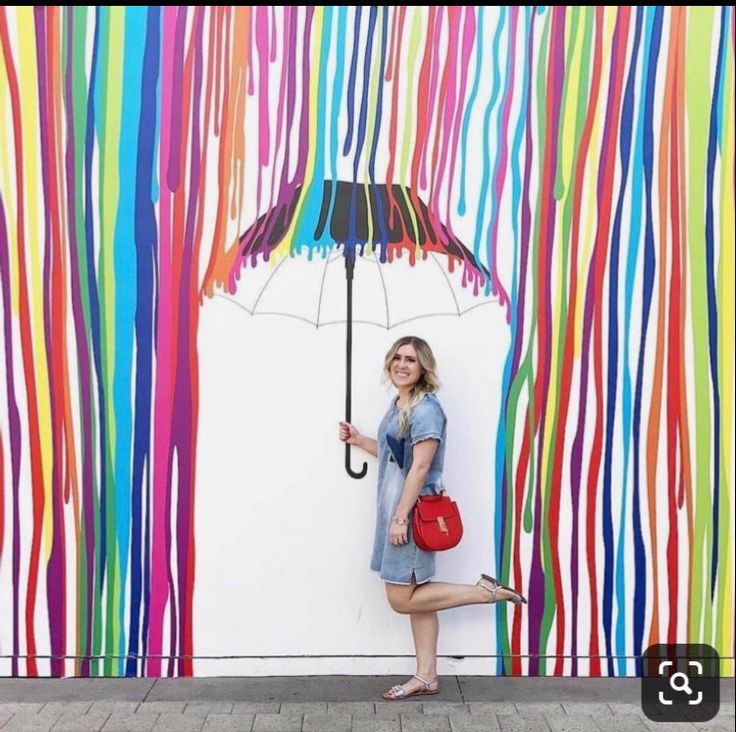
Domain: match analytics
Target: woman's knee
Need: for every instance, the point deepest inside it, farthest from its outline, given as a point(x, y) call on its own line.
point(399, 597)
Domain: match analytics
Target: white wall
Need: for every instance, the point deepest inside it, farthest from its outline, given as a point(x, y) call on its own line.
point(284, 535)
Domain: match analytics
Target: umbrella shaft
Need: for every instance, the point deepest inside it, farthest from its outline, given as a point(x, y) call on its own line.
point(349, 266)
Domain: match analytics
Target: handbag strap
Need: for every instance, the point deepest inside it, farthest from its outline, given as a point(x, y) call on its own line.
point(442, 492)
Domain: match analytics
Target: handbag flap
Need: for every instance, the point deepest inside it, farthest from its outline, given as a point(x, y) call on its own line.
point(432, 507)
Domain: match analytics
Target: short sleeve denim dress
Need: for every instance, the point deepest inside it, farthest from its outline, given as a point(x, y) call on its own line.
point(396, 564)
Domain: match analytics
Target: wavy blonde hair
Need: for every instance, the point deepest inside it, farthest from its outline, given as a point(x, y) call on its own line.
point(428, 383)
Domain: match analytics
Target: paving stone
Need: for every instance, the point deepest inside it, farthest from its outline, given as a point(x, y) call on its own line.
point(570, 723)
point(393, 710)
point(136, 722)
point(659, 726)
point(161, 707)
point(492, 708)
point(4, 718)
point(366, 709)
point(577, 708)
point(719, 723)
point(294, 709)
point(205, 708)
point(20, 707)
point(377, 724)
point(228, 723)
point(517, 723)
point(425, 723)
point(256, 708)
point(670, 726)
point(29, 722)
point(277, 723)
point(113, 707)
point(445, 708)
point(473, 722)
point(179, 722)
point(626, 708)
point(92, 722)
point(59, 708)
point(535, 709)
point(619, 722)
point(327, 723)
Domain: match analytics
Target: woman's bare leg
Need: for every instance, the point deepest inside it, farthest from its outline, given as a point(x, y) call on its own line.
point(432, 596)
point(421, 603)
point(425, 627)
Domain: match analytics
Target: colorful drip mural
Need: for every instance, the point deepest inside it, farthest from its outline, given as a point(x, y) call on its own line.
point(150, 156)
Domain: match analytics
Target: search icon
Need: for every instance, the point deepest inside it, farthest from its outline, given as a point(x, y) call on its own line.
point(683, 682)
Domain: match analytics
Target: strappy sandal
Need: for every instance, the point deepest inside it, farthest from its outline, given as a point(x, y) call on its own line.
point(398, 693)
point(517, 599)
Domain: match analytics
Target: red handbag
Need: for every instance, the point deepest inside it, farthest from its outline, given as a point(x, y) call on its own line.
point(436, 523)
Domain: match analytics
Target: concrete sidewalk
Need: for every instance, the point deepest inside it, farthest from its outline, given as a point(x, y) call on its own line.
point(333, 704)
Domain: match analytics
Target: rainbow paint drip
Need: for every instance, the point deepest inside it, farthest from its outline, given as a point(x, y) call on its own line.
point(585, 157)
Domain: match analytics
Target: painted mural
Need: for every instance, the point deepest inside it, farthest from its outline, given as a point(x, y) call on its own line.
point(152, 156)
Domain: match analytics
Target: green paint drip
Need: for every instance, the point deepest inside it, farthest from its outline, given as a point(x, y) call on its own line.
point(698, 53)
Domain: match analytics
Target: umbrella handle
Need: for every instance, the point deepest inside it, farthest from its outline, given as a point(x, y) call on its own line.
point(351, 472)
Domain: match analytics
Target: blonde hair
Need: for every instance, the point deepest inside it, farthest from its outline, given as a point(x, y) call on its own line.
point(428, 383)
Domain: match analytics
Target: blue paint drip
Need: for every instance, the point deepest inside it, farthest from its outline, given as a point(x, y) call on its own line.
point(502, 478)
point(461, 206)
point(314, 192)
point(640, 570)
point(125, 297)
point(360, 139)
point(485, 179)
point(351, 81)
point(145, 244)
point(380, 217)
point(711, 295)
point(627, 114)
point(94, 303)
point(632, 256)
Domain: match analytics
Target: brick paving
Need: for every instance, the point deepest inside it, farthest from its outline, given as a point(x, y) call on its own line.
point(37, 706)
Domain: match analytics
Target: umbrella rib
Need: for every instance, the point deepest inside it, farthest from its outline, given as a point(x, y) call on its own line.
point(444, 315)
point(263, 312)
point(268, 282)
point(363, 322)
point(447, 279)
point(385, 292)
point(322, 288)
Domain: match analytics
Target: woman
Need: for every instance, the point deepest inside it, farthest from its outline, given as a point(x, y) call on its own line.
point(410, 448)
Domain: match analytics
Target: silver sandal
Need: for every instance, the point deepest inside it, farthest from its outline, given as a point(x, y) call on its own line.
point(517, 599)
point(399, 693)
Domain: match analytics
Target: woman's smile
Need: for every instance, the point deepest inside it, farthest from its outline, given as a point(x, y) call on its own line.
point(406, 369)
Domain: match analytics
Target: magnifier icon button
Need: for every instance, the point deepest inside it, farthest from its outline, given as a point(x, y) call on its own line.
point(679, 681)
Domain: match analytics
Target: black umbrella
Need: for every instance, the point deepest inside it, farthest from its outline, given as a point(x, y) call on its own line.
point(394, 218)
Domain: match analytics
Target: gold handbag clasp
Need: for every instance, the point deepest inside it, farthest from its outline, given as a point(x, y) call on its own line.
point(442, 525)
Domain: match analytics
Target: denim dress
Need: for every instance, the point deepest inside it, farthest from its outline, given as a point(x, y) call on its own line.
point(395, 454)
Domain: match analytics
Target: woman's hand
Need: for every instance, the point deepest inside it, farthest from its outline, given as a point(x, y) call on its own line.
point(398, 534)
point(349, 434)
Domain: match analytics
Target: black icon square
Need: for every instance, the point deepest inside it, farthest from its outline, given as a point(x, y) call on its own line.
point(680, 682)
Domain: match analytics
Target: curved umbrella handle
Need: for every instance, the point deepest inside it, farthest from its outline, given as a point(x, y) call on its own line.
point(349, 265)
point(351, 472)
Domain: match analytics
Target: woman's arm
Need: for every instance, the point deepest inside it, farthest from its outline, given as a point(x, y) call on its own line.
point(349, 434)
point(422, 455)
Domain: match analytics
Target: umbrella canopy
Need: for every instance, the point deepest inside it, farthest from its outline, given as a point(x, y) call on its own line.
point(354, 222)
point(385, 295)
point(360, 218)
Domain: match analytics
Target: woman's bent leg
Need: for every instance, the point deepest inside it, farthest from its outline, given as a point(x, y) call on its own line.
point(432, 596)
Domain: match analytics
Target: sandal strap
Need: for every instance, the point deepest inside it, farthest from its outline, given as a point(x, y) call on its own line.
point(398, 690)
point(492, 589)
point(424, 681)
